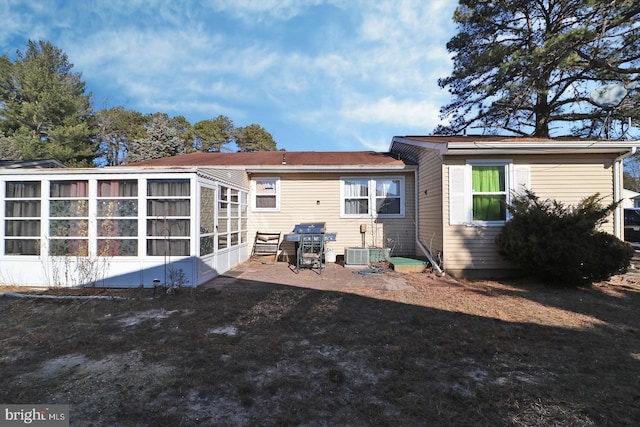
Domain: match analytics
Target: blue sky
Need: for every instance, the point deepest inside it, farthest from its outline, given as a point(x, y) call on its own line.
point(319, 75)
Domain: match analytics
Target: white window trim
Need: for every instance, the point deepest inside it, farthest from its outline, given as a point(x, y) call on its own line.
point(93, 195)
point(147, 215)
point(517, 178)
point(254, 194)
point(90, 240)
point(43, 221)
point(372, 197)
point(212, 234)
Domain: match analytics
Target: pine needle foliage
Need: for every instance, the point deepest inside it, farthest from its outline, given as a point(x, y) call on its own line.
point(527, 67)
point(560, 244)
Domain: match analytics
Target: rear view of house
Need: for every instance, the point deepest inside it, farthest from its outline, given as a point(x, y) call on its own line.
point(194, 216)
point(465, 182)
point(191, 217)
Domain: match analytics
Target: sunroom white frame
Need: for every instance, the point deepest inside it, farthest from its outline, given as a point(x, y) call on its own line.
point(121, 271)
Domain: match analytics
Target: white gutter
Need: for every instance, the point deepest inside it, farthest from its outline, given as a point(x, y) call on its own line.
point(433, 262)
point(521, 146)
point(618, 215)
point(111, 170)
point(545, 145)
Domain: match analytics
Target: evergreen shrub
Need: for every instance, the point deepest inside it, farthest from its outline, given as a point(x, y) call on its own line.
point(560, 244)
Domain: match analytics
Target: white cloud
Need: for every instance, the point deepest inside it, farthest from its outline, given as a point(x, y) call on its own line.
point(403, 21)
point(409, 113)
point(353, 70)
point(374, 143)
point(18, 20)
point(259, 10)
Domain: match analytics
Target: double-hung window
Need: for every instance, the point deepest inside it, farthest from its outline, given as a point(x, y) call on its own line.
point(266, 194)
point(489, 192)
point(480, 191)
point(355, 197)
point(388, 200)
point(364, 197)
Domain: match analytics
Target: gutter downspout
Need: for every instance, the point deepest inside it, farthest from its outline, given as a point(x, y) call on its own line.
point(617, 169)
point(432, 260)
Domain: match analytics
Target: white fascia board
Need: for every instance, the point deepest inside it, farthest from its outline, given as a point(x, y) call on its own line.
point(114, 170)
point(555, 147)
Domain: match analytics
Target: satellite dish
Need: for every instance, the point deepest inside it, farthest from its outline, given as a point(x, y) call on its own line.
point(608, 96)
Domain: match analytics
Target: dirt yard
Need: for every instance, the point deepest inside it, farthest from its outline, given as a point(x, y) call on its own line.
point(243, 353)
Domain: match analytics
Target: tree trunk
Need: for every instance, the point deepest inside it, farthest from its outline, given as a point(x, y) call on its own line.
point(542, 113)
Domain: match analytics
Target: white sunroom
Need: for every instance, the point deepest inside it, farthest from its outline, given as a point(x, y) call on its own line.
point(121, 226)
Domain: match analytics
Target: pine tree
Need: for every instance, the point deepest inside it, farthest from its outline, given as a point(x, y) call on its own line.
point(526, 67)
point(254, 138)
point(44, 111)
point(162, 140)
point(212, 135)
point(117, 128)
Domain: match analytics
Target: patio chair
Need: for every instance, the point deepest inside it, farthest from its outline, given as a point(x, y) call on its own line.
point(310, 252)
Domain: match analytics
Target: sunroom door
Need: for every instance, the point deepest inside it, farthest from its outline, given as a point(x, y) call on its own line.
point(207, 227)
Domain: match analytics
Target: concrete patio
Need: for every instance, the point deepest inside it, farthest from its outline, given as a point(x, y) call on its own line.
point(334, 277)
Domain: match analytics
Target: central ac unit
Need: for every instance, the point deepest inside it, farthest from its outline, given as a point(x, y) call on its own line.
point(356, 256)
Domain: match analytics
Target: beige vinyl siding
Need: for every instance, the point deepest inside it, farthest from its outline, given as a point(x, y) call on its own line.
point(574, 180)
point(566, 178)
point(570, 179)
point(430, 204)
point(308, 197)
point(235, 177)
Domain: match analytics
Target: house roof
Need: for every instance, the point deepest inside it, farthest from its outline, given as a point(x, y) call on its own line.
point(483, 144)
point(282, 160)
point(17, 164)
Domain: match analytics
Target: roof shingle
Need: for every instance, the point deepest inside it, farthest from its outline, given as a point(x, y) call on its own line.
point(277, 158)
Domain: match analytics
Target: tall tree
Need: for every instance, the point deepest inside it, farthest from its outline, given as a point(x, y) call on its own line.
point(117, 128)
point(254, 138)
point(212, 135)
point(183, 127)
point(8, 151)
point(44, 110)
point(162, 140)
point(527, 66)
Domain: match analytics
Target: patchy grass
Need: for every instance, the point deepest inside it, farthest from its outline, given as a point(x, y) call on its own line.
point(479, 353)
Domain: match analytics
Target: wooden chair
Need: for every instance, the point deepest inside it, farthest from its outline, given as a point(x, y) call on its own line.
point(265, 245)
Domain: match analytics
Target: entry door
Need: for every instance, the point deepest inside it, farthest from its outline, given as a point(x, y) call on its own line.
point(207, 228)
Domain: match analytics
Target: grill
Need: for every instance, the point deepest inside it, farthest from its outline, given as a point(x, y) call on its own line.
point(316, 228)
point(309, 239)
